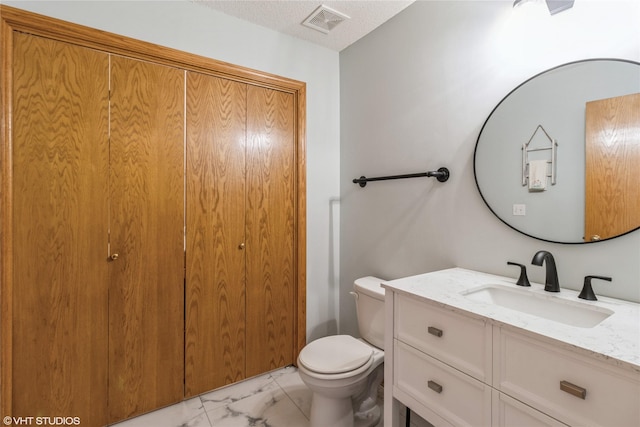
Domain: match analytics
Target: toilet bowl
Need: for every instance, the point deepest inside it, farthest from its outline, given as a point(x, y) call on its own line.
point(344, 372)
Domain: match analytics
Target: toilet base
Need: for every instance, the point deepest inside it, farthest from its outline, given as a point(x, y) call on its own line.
point(368, 412)
point(339, 412)
point(326, 411)
point(368, 418)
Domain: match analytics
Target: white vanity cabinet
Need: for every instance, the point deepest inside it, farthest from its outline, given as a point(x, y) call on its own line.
point(455, 367)
point(442, 363)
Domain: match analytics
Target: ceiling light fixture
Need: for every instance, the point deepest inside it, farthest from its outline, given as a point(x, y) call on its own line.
point(557, 6)
point(519, 3)
point(554, 6)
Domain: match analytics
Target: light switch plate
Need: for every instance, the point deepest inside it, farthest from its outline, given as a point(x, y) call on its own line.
point(519, 209)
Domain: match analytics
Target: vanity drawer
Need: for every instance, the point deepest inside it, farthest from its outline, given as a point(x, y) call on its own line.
point(532, 371)
point(509, 412)
point(459, 341)
point(453, 395)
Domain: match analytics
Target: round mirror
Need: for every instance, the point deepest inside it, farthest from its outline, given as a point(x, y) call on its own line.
point(558, 159)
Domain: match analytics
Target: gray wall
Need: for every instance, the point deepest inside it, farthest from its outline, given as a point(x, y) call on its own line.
point(414, 95)
point(194, 28)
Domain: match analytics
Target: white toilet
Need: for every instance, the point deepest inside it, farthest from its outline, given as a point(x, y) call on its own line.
point(344, 372)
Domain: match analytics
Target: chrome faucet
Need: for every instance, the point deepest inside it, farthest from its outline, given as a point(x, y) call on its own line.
point(551, 281)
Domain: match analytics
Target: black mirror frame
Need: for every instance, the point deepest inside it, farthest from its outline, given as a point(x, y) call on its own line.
point(475, 175)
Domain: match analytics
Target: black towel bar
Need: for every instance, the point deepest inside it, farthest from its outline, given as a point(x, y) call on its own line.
point(441, 175)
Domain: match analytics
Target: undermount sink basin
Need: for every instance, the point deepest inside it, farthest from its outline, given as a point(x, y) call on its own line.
point(548, 307)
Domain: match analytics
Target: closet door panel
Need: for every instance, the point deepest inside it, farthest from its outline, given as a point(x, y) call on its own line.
point(59, 235)
point(270, 229)
point(215, 255)
point(146, 296)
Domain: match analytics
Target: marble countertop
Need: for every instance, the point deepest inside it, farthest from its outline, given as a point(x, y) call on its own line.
point(616, 340)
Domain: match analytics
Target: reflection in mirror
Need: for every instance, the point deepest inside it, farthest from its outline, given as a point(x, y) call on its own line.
point(612, 166)
point(590, 110)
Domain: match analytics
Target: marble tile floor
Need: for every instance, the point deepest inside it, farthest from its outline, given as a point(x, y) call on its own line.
point(276, 399)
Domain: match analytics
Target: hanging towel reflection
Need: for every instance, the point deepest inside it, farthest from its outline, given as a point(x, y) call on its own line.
point(537, 175)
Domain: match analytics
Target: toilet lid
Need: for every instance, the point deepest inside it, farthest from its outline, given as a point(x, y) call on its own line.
point(335, 354)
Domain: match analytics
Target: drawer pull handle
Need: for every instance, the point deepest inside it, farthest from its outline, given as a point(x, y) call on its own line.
point(435, 331)
point(573, 389)
point(434, 386)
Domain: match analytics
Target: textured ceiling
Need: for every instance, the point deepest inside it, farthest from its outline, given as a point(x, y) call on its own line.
point(287, 17)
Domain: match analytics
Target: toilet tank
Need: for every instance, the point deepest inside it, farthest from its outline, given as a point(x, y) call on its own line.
point(370, 309)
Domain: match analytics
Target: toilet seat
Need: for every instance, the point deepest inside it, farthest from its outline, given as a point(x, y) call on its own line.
point(336, 354)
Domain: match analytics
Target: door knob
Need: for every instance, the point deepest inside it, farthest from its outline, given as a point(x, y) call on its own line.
point(113, 257)
point(241, 246)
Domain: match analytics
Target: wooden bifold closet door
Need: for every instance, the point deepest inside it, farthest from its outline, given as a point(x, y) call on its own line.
point(98, 237)
point(215, 251)
point(146, 291)
point(240, 226)
point(270, 230)
point(60, 230)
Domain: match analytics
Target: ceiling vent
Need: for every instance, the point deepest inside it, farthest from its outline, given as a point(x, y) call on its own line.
point(324, 19)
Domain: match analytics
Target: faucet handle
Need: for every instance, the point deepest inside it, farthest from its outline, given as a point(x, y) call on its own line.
point(523, 280)
point(587, 290)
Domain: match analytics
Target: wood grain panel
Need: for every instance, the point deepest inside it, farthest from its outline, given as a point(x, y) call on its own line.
point(215, 278)
point(612, 176)
point(60, 276)
point(6, 219)
point(146, 296)
point(271, 173)
point(300, 333)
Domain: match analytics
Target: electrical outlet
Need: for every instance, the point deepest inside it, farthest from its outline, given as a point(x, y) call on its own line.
point(519, 209)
